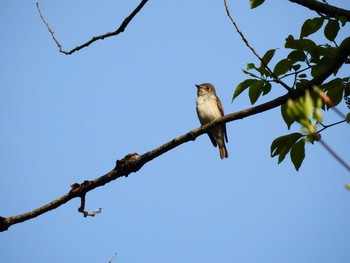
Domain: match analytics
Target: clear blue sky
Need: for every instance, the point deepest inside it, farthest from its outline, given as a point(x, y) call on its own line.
point(66, 119)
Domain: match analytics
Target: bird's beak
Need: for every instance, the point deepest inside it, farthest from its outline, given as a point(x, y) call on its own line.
point(198, 86)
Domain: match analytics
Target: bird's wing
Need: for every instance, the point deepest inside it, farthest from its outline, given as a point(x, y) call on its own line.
point(221, 109)
point(212, 138)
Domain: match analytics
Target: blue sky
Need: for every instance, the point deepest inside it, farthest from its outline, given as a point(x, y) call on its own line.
point(66, 119)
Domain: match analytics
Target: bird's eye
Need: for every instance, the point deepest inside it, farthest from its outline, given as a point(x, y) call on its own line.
point(207, 88)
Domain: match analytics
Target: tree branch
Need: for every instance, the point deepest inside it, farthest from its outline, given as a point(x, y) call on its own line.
point(131, 163)
point(324, 127)
point(276, 79)
point(323, 8)
point(120, 29)
point(334, 154)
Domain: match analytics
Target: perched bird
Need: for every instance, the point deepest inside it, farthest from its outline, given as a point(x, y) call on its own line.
point(209, 108)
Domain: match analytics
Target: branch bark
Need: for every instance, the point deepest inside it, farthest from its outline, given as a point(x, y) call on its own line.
point(132, 163)
point(323, 8)
point(120, 29)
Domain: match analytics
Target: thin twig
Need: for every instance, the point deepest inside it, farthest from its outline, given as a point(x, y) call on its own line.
point(330, 125)
point(48, 27)
point(120, 29)
point(276, 79)
point(295, 73)
point(81, 209)
point(339, 112)
point(335, 155)
point(329, 103)
point(115, 254)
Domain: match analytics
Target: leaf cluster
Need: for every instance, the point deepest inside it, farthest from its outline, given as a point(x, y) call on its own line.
point(305, 111)
point(305, 60)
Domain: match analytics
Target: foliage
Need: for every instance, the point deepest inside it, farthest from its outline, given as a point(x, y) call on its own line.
point(255, 3)
point(306, 60)
point(306, 111)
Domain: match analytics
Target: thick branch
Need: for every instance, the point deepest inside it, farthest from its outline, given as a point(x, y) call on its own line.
point(323, 8)
point(120, 29)
point(133, 162)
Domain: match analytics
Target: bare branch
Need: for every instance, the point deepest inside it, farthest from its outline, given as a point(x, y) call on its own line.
point(48, 27)
point(131, 163)
point(323, 8)
point(295, 73)
point(112, 258)
point(334, 154)
point(120, 29)
point(81, 209)
point(276, 79)
point(324, 127)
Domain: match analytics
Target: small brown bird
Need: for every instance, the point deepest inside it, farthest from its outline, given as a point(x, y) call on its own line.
point(209, 108)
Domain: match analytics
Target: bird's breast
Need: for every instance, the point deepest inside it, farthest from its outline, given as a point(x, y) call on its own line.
point(207, 109)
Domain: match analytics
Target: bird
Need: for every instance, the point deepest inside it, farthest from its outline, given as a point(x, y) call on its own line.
point(209, 108)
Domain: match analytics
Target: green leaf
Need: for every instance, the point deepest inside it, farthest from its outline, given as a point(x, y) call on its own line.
point(250, 66)
point(282, 145)
point(318, 68)
point(336, 94)
point(296, 55)
point(327, 50)
point(317, 115)
point(331, 84)
point(267, 88)
point(331, 29)
point(255, 91)
point(344, 42)
point(291, 43)
point(282, 67)
point(297, 154)
point(307, 105)
point(311, 26)
point(308, 46)
point(300, 84)
point(288, 119)
point(255, 3)
point(250, 74)
point(296, 67)
point(268, 56)
point(335, 89)
point(342, 20)
point(242, 86)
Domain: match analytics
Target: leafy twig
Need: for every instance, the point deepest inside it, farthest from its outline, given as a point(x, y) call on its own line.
point(276, 79)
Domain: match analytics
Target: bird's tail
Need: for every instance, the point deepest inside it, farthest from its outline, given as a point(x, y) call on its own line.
point(223, 151)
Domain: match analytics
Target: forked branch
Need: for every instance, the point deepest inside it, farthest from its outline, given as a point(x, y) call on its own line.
point(119, 30)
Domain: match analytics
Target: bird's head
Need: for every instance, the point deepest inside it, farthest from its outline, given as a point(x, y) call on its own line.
point(205, 88)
